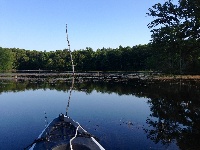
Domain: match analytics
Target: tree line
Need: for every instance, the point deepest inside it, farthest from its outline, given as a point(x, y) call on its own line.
point(176, 35)
point(136, 58)
point(174, 47)
point(105, 59)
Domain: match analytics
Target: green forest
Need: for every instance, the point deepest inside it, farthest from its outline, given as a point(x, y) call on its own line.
point(174, 47)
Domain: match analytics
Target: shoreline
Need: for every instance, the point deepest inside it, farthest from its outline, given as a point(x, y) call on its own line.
point(177, 77)
point(95, 76)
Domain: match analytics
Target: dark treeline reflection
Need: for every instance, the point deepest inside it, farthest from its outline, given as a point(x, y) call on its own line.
point(174, 104)
point(175, 114)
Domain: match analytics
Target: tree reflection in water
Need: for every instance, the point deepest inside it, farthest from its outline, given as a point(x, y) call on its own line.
point(175, 115)
point(175, 105)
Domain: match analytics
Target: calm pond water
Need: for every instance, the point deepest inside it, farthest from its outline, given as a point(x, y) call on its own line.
point(128, 115)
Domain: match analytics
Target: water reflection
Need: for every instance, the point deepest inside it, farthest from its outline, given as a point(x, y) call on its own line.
point(174, 105)
point(175, 115)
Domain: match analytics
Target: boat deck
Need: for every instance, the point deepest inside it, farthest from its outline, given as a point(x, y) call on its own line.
point(63, 133)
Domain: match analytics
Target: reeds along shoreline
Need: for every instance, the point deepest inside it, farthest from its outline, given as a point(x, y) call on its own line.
point(98, 75)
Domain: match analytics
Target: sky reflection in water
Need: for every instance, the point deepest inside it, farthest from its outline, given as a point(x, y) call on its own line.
point(118, 120)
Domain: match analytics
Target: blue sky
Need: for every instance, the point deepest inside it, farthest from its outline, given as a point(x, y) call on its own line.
point(40, 24)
